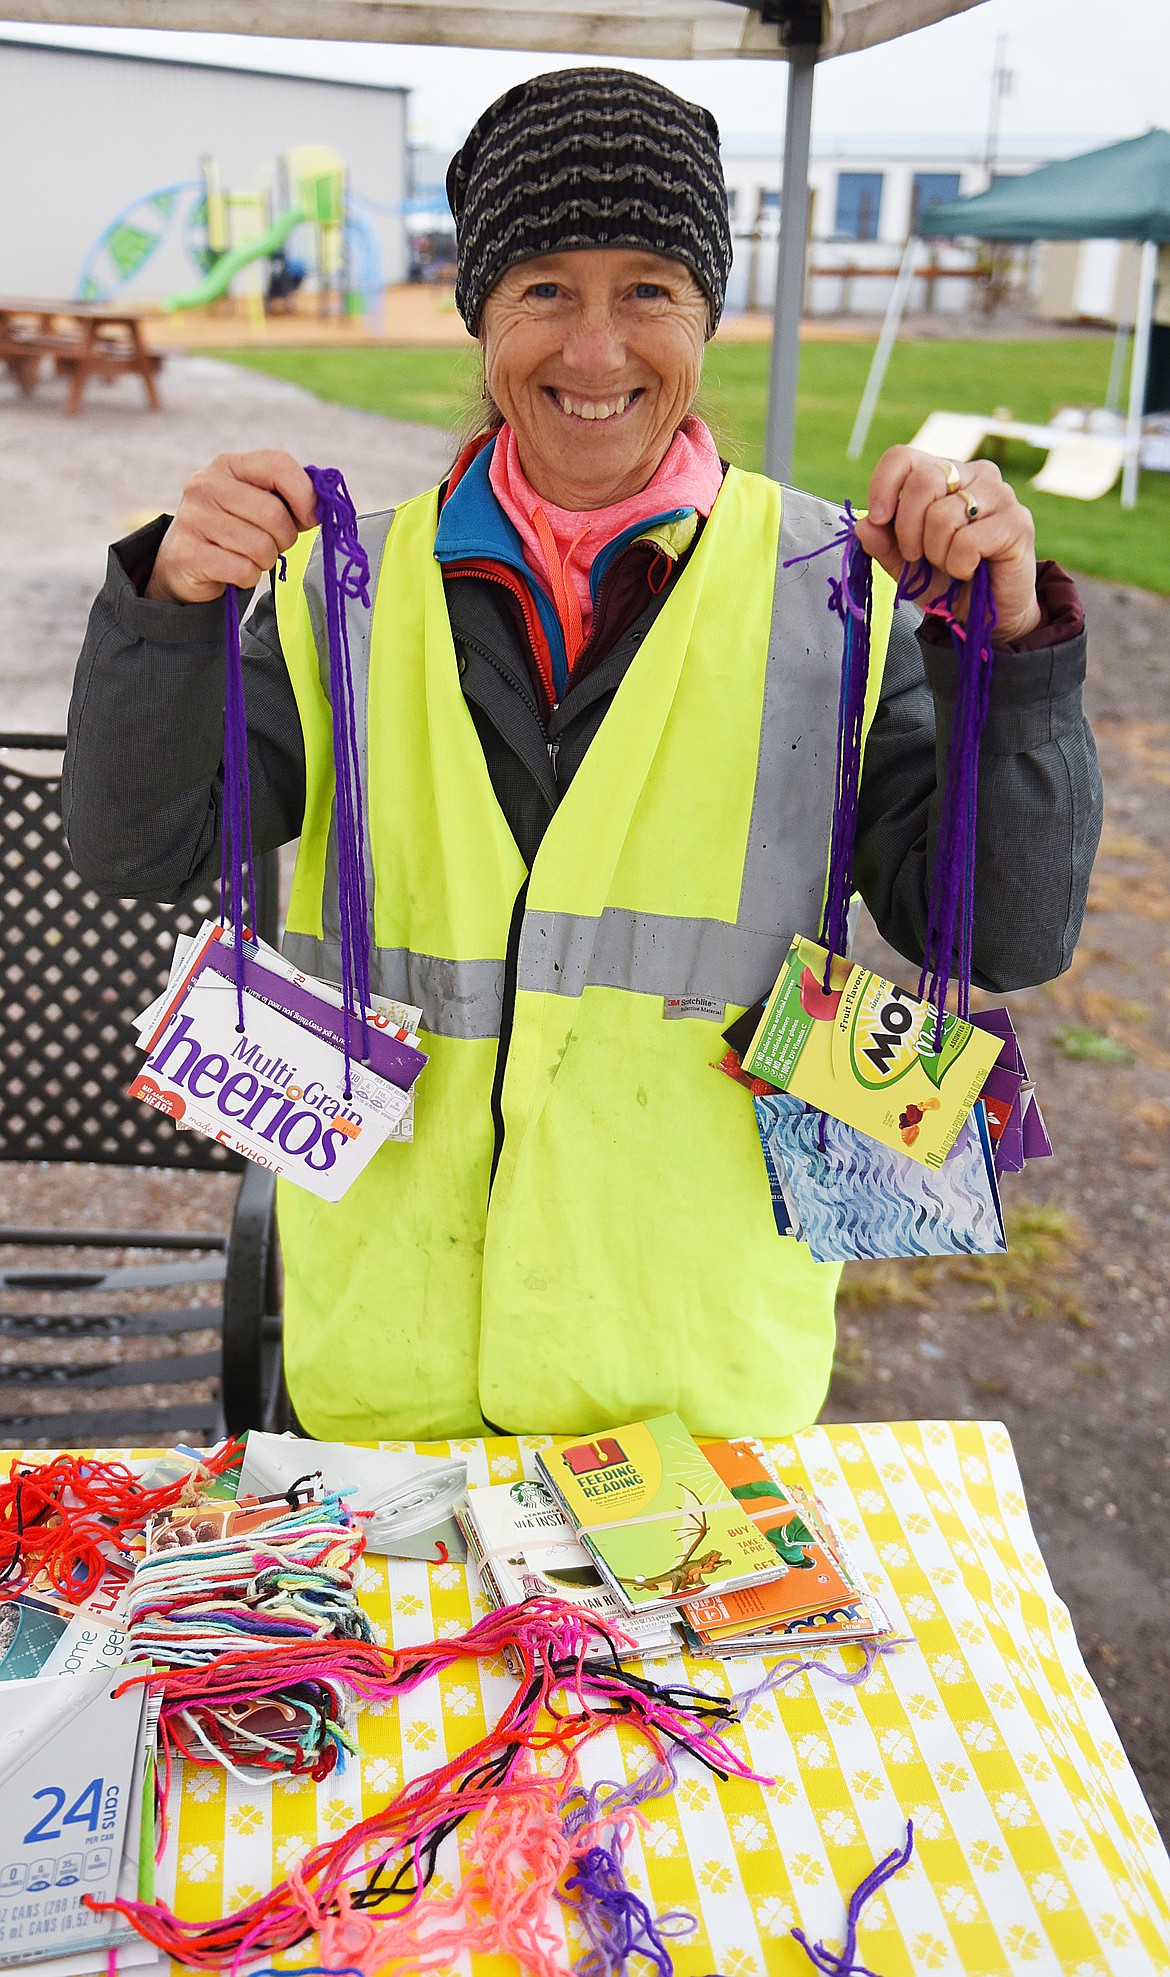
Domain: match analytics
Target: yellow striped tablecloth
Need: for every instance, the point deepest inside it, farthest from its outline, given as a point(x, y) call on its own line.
point(1035, 1851)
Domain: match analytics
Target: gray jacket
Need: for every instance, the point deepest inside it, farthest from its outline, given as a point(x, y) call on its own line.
point(143, 769)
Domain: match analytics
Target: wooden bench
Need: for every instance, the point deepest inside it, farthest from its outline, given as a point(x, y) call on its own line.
point(81, 340)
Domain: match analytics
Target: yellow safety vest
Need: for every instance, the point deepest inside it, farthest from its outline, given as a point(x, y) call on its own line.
point(623, 1260)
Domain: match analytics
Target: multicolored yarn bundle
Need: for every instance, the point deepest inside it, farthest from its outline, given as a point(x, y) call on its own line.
point(572, 1687)
point(72, 1518)
point(200, 1598)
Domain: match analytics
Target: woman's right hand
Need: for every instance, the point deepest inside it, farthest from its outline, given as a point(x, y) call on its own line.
point(236, 517)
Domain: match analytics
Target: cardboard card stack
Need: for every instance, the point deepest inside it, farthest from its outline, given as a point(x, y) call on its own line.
point(819, 1600)
point(524, 1547)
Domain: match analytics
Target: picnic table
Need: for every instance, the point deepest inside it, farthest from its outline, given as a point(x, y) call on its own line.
point(1033, 1846)
point(81, 340)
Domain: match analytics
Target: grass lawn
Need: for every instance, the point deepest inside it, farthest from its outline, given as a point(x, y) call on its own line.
point(1097, 537)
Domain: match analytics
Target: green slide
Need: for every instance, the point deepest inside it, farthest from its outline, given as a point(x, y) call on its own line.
point(218, 279)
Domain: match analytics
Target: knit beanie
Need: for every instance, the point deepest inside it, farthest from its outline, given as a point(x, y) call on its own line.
point(585, 158)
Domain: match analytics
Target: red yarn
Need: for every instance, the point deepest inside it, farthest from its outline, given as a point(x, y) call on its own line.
point(67, 1519)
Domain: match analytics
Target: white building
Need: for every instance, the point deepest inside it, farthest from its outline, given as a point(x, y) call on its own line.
point(866, 195)
point(87, 136)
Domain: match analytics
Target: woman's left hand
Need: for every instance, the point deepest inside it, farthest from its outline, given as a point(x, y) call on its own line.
point(912, 513)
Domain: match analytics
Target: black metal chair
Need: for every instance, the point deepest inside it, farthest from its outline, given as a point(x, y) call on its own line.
point(73, 969)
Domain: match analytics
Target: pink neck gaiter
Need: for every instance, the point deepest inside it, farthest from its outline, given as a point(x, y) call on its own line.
point(560, 543)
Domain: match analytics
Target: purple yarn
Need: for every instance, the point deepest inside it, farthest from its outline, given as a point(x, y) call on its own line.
point(340, 543)
point(616, 1921)
point(827, 1961)
point(948, 938)
point(235, 853)
point(851, 598)
point(786, 1671)
point(339, 539)
point(947, 943)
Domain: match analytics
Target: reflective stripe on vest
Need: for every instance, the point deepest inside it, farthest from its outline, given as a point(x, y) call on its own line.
point(642, 953)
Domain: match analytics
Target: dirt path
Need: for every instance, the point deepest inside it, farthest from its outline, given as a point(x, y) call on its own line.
point(72, 486)
point(1066, 1339)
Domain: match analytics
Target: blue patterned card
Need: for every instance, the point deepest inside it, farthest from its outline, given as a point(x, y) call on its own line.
point(852, 1199)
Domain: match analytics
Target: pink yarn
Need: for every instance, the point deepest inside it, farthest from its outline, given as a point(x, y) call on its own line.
point(515, 1863)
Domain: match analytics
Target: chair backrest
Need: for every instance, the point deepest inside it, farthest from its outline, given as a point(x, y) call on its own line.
point(73, 969)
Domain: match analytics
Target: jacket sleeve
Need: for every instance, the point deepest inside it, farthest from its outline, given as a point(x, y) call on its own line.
point(143, 777)
point(1039, 816)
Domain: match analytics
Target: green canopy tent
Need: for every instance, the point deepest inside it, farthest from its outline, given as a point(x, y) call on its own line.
point(1121, 192)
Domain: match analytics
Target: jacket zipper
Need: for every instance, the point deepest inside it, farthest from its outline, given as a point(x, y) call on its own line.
point(519, 592)
point(512, 951)
point(509, 679)
point(507, 1014)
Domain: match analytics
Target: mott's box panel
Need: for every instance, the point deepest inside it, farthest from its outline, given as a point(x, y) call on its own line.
point(864, 1051)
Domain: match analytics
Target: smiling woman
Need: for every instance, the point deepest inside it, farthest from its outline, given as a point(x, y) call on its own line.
point(600, 690)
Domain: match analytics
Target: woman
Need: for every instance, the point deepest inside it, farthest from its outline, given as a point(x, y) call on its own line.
point(598, 725)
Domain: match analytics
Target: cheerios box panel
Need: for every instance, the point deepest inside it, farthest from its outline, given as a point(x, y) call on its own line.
point(863, 1050)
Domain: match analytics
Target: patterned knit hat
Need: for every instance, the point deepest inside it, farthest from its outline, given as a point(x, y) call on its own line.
point(588, 158)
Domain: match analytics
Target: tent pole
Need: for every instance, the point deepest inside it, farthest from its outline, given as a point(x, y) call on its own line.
point(780, 428)
point(1138, 372)
point(1125, 308)
point(895, 310)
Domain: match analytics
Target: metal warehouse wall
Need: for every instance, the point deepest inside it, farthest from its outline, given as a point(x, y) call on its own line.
point(82, 135)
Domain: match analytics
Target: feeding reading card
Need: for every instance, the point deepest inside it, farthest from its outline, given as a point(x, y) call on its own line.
point(654, 1513)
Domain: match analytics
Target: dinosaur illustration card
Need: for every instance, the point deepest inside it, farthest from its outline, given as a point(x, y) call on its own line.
point(660, 1521)
point(864, 1051)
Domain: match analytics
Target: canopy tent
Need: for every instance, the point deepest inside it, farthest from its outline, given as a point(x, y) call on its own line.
point(801, 32)
point(665, 30)
point(1121, 192)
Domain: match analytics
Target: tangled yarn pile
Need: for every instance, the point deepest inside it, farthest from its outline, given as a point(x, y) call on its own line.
point(71, 1519)
point(572, 1687)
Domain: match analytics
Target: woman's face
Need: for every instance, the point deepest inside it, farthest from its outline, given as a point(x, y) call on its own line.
point(594, 358)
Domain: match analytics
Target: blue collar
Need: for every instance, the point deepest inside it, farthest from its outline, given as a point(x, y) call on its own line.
point(474, 528)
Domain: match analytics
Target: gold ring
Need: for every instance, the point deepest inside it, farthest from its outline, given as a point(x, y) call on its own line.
point(972, 509)
point(954, 481)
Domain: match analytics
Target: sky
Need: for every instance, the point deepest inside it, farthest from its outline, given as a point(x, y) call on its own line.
point(1074, 81)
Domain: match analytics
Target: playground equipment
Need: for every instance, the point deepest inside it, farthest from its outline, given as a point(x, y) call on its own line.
point(246, 238)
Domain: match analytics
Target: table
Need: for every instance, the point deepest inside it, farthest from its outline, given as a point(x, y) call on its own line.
point(1035, 1850)
point(83, 339)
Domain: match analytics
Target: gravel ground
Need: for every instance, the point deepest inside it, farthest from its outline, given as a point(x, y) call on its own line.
point(72, 486)
point(1065, 1340)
